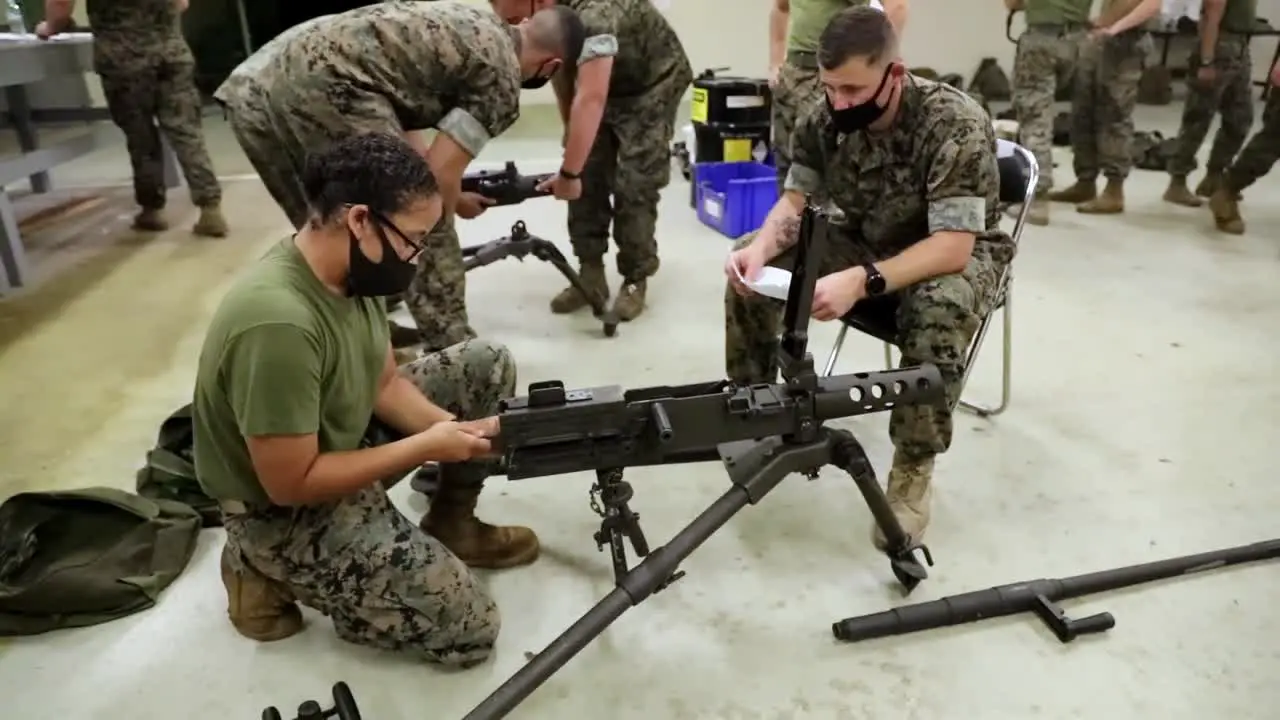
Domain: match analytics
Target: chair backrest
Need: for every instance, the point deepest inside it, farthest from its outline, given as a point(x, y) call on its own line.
point(1019, 174)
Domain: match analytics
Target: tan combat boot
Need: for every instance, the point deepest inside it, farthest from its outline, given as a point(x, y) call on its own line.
point(910, 491)
point(150, 220)
point(1209, 184)
point(452, 520)
point(1082, 191)
point(1109, 202)
point(260, 608)
point(570, 300)
point(1037, 214)
point(630, 301)
point(1226, 211)
point(1179, 194)
point(211, 223)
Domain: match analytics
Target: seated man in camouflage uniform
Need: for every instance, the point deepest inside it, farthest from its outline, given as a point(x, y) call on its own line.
point(911, 165)
point(296, 362)
point(397, 68)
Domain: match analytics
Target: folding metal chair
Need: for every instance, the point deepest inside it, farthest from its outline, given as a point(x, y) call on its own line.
point(877, 316)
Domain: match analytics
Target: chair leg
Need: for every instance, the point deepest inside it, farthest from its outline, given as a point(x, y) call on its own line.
point(1006, 363)
point(835, 352)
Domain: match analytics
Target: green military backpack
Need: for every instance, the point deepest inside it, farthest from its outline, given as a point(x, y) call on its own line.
point(84, 557)
point(169, 472)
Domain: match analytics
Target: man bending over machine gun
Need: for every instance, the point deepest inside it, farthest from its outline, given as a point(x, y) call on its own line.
point(923, 235)
point(447, 66)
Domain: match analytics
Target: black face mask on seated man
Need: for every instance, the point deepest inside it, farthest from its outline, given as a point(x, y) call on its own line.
point(389, 276)
point(856, 118)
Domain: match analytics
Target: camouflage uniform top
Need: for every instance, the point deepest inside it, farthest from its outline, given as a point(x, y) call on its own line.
point(137, 29)
point(645, 48)
point(933, 171)
point(447, 66)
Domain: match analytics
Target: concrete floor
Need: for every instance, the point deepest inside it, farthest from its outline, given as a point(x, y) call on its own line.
point(1120, 448)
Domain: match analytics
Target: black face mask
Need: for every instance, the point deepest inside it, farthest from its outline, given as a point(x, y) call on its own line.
point(535, 82)
point(389, 276)
point(859, 117)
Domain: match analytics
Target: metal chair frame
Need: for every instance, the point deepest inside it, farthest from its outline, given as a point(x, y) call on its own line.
point(1016, 162)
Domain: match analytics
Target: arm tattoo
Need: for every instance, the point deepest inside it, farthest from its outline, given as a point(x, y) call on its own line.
point(787, 232)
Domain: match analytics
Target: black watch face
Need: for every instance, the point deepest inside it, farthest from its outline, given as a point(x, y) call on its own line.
point(875, 284)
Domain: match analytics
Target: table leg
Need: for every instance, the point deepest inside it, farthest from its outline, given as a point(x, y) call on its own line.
point(1275, 59)
point(13, 259)
point(20, 111)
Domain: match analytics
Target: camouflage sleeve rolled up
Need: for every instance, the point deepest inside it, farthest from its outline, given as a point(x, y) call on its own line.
point(601, 22)
point(962, 179)
point(489, 101)
point(807, 174)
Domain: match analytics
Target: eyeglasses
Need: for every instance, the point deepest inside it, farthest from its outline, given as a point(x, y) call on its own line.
point(384, 222)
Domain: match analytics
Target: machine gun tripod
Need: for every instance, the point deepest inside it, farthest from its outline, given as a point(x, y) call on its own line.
point(761, 433)
point(521, 244)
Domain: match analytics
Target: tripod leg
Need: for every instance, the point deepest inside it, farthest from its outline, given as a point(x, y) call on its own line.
point(546, 251)
point(848, 455)
point(633, 589)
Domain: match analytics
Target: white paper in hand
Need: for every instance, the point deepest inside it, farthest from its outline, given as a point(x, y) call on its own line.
point(772, 282)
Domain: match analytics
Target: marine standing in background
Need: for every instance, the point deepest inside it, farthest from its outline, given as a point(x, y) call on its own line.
point(1048, 52)
point(794, 27)
point(1221, 81)
point(1255, 160)
point(396, 68)
point(148, 79)
point(619, 107)
point(1105, 96)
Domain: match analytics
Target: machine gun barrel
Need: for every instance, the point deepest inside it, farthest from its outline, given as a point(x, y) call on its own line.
point(1040, 596)
point(553, 431)
point(506, 186)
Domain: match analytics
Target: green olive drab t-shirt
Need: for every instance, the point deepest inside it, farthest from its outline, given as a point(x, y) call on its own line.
point(1058, 12)
point(808, 18)
point(283, 355)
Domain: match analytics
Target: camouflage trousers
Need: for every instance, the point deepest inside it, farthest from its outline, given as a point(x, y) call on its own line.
point(383, 581)
point(622, 181)
point(276, 138)
point(1046, 59)
point(797, 89)
point(1231, 94)
point(147, 99)
point(936, 321)
point(1261, 152)
point(1103, 101)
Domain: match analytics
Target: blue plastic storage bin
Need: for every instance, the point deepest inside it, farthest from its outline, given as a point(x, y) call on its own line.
point(734, 197)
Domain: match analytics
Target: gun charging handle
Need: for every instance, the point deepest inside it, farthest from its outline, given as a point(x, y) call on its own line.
point(344, 707)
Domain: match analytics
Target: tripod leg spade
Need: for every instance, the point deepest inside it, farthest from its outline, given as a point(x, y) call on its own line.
point(848, 455)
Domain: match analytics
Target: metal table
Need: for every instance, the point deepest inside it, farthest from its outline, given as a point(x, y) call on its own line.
point(25, 62)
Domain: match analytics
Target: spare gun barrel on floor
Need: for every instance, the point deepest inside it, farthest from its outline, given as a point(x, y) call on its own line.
point(761, 433)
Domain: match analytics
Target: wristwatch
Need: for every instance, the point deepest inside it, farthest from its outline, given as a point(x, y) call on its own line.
point(875, 284)
point(569, 176)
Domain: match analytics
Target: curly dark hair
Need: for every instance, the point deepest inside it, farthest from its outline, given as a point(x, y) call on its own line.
point(374, 169)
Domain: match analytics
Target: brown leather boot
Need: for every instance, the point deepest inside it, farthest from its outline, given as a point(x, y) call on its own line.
point(150, 220)
point(1081, 191)
point(260, 608)
point(1209, 184)
point(1109, 202)
point(211, 222)
point(630, 301)
point(910, 491)
point(569, 300)
point(1179, 194)
point(452, 520)
point(1226, 211)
